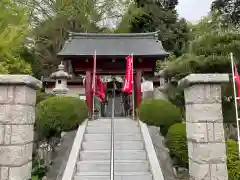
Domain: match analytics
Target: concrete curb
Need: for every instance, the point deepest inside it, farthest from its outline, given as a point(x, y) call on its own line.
point(151, 153)
point(74, 154)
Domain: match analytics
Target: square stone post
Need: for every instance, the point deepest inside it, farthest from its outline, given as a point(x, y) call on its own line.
point(204, 125)
point(17, 117)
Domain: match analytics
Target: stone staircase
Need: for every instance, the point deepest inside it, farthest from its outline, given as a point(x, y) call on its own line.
point(118, 109)
point(131, 162)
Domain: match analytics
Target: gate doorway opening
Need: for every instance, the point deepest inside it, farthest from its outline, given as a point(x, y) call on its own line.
point(122, 101)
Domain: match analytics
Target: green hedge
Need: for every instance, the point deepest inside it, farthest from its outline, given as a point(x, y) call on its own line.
point(159, 112)
point(233, 160)
point(42, 96)
point(177, 143)
point(59, 113)
point(164, 130)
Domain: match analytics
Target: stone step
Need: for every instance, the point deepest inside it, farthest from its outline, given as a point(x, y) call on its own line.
point(107, 130)
point(118, 176)
point(120, 166)
point(118, 145)
point(115, 119)
point(108, 123)
point(117, 137)
point(119, 155)
point(115, 125)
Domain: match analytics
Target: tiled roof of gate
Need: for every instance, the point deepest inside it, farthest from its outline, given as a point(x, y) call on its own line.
point(113, 45)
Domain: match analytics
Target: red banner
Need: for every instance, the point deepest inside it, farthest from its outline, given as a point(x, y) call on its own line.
point(237, 80)
point(99, 89)
point(128, 82)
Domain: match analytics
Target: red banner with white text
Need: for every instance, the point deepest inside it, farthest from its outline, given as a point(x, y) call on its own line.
point(128, 82)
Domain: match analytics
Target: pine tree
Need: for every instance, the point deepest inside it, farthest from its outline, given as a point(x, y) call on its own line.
point(160, 16)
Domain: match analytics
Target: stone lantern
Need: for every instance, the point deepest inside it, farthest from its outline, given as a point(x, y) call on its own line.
point(61, 78)
point(162, 80)
point(160, 91)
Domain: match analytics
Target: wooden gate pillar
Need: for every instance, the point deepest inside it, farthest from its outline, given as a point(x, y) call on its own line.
point(138, 92)
point(88, 92)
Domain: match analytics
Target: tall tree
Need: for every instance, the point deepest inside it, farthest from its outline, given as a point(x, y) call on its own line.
point(53, 19)
point(212, 40)
point(208, 50)
point(14, 29)
point(229, 9)
point(210, 23)
point(160, 16)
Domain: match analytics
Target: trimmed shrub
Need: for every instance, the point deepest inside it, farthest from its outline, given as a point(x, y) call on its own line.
point(233, 161)
point(59, 113)
point(177, 143)
point(42, 96)
point(164, 130)
point(159, 112)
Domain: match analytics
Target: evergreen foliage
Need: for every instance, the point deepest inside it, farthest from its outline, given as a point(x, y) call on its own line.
point(159, 113)
point(59, 113)
point(177, 143)
point(228, 9)
point(233, 161)
point(152, 16)
point(55, 19)
point(14, 29)
point(207, 54)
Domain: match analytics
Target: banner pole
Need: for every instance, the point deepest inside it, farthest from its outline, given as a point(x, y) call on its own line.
point(235, 101)
point(133, 93)
point(94, 82)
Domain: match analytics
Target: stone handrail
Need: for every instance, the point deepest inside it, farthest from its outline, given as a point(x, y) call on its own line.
point(151, 153)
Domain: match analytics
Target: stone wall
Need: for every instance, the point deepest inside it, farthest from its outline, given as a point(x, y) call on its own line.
point(17, 116)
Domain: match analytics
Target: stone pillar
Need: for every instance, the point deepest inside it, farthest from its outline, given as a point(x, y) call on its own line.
point(204, 124)
point(17, 116)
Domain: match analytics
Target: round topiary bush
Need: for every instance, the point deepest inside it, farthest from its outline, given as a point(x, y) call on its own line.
point(42, 96)
point(159, 112)
point(59, 113)
point(177, 143)
point(233, 161)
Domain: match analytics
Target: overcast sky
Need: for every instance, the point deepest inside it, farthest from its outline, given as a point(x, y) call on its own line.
point(193, 10)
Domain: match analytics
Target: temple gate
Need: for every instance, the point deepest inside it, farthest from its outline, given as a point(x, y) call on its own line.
point(111, 51)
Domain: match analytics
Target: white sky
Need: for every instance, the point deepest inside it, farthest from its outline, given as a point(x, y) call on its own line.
point(193, 10)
